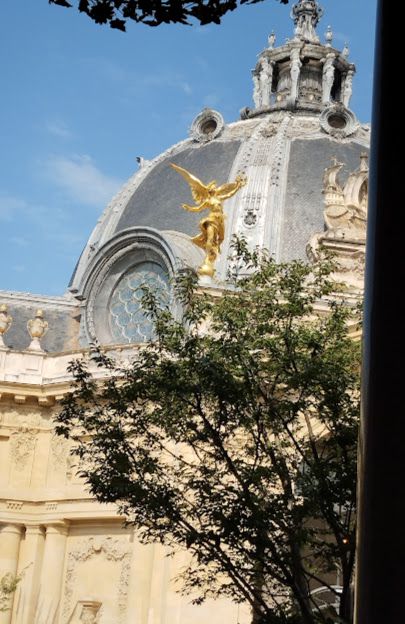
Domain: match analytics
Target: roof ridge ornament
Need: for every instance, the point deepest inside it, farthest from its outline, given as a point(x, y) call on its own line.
point(329, 36)
point(271, 40)
point(306, 15)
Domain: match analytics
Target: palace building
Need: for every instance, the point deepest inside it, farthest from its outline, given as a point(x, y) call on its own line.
point(304, 155)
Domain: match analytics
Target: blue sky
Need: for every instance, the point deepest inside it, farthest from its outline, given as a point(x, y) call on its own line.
point(80, 102)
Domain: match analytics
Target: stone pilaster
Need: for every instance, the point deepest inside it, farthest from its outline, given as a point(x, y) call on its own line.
point(29, 566)
point(50, 587)
point(10, 538)
point(141, 582)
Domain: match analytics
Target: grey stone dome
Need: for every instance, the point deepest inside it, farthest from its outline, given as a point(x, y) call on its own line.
point(300, 121)
point(300, 124)
point(282, 153)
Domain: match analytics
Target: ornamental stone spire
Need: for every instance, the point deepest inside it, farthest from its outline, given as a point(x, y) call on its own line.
point(306, 15)
point(303, 74)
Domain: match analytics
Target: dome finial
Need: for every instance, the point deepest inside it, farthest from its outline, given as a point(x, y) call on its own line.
point(345, 51)
point(329, 36)
point(306, 15)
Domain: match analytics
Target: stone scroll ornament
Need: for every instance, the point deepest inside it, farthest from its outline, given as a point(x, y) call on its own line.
point(209, 197)
point(345, 216)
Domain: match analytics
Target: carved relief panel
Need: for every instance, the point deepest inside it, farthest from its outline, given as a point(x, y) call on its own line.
point(60, 462)
point(96, 580)
point(22, 444)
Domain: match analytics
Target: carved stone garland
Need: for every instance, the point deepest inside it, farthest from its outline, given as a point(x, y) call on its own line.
point(22, 447)
point(61, 462)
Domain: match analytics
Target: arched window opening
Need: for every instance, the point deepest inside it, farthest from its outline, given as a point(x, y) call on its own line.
point(128, 321)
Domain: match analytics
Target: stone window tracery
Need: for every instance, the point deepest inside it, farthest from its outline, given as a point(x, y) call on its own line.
point(128, 321)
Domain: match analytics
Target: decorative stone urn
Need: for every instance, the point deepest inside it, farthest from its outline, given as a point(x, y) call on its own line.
point(5, 323)
point(37, 329)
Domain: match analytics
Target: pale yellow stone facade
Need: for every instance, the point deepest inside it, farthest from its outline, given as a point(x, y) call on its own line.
point(78, 563)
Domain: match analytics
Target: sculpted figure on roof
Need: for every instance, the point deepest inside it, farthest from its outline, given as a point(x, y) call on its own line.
point(209, 197)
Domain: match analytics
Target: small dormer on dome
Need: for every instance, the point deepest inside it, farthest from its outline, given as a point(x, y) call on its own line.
point(302, 74)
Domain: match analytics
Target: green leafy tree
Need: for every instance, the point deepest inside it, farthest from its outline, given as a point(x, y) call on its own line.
point(233, 435)
point(155, 12)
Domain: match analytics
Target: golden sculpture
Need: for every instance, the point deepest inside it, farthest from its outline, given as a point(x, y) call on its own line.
point(209, 197)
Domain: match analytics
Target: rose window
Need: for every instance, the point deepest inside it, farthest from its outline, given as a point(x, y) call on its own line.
point(128, 321)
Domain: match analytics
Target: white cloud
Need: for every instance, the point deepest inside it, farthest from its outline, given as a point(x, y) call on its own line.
point(170, 80)
point(79, 177)
point(9, 206)
point(58, 128)
point(114, 71)
point(341, 37)
point(211, 100)
point(131, 80)
point(107, 68)
point(202, 64)
point(203, 30)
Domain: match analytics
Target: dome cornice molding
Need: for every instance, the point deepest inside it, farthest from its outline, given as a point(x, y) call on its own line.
point(108, 221)
point(315, 51)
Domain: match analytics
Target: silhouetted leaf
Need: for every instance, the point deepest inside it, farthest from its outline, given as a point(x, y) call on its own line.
point(63, 3)
point(156, 12)
point(118, 24)
point(102, 11)
point(84, 6)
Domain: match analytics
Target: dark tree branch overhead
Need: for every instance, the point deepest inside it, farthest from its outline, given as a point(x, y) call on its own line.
point(155, 12)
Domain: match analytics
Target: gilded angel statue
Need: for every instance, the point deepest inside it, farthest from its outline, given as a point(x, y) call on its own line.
point(209, 197)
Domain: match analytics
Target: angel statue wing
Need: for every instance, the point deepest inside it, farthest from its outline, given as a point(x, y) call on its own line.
point(198, 189)
point(227, 190)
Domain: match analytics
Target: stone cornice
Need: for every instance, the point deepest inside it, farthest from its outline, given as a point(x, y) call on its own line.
point(43, 378)
point(8, 296)
point(39, 378)
point(54, 511)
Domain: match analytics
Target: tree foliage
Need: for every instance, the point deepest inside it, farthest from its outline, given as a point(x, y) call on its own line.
point(155, 12)
point(233, 435)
